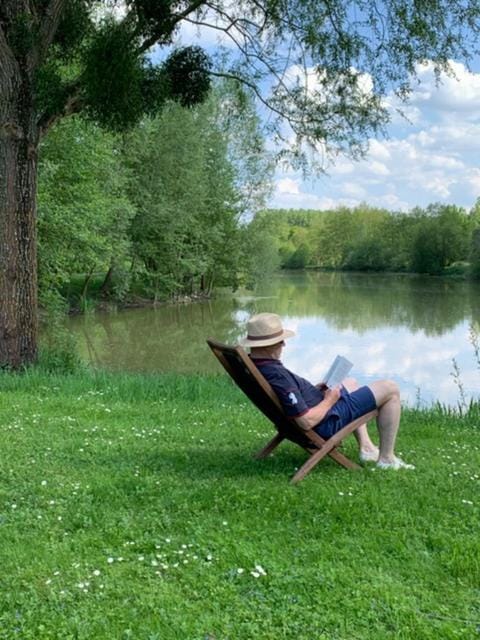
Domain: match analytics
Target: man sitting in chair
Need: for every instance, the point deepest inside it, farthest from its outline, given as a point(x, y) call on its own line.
point(326, 410)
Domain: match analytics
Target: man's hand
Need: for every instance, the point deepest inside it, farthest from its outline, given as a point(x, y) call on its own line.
point(318, 412)
point(332, 395)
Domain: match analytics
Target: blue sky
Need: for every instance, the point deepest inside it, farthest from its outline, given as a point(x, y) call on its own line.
point(432, 156)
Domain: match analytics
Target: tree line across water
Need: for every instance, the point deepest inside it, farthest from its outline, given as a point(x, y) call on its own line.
point(439, 239)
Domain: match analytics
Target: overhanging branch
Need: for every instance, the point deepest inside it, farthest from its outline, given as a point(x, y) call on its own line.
point(235, 20)
point(73, 104)
point(248, 54)
point(153, 39)
point(49, 22)
point(257, 92)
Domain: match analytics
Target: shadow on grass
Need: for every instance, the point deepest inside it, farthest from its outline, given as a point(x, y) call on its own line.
point(202, 464)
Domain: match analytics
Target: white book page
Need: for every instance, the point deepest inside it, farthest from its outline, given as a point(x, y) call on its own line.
point(338, 371)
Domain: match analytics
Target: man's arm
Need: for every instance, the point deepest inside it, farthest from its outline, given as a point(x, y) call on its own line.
point(316, 414)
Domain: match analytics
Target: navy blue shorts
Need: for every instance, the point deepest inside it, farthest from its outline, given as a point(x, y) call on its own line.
point(351, 405)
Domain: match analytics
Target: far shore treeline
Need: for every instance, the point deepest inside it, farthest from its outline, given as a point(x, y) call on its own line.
point(175, 208)
point(441, 239)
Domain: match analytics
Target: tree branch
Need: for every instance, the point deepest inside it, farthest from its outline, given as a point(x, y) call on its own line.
point(47, 30)
point(153, 39)
point(237, 19)
point(247, 37)
point(256, 91)
point(73, 104)
point(33, 8)
point(196, 4)
point(248, 45)
point(242, 48)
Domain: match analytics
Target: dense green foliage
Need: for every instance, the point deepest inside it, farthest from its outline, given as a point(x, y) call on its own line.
point(144, 515)
point(99, 65)
point(156, 212)
point(185, 229)
point(84, 210)
point(432, 240)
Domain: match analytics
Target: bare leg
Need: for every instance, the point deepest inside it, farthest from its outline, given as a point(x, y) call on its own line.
point(361, 434)
point(387, 397)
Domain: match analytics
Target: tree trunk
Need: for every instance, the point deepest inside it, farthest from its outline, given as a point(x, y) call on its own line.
point(18, 258)
point(107, 282)
point(86, 283)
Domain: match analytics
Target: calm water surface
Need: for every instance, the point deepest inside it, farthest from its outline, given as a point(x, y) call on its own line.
point(402, 327)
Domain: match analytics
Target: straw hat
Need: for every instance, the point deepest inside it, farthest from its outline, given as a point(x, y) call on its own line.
point(265, 329)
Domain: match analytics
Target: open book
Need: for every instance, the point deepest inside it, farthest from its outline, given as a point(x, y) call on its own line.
point(337, 372)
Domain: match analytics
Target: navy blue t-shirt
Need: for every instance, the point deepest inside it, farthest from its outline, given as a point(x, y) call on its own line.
point(296, 394)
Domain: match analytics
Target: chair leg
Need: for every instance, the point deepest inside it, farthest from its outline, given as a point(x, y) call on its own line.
point(343, 460)
point(267, 450)
point(319, 455)
point(308, 465)
point(328, 447)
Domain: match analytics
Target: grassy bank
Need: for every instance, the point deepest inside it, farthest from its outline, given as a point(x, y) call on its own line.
point(132, 508)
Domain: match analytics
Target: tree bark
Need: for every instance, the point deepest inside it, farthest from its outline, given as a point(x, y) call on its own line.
point(107, 282)
point(18, 257)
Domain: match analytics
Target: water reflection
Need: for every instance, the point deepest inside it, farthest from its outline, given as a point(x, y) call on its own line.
point(404, 327)
point(363, 302)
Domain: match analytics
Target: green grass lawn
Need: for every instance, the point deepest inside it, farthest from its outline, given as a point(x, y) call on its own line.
point(131, 507)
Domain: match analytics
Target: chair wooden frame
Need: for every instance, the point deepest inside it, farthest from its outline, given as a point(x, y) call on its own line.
point(246, 375)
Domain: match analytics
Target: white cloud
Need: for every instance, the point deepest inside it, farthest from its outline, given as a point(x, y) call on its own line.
point(304, 200)
point(430, 155)
point(290, 192)
point(473, 181)
point(458, 92)
point(459, 137)
point(401, 114)
point(354, 190)
point(378, 168)
point(444, 162)
point(431, 158)
point(289, 186)
point(309, 78)
point(379, 151)
point(365, 83)
point(117, 11)
point(376, 349)
point(375, 367)
point(343, 166)
point(438, 186)
point(389, 201)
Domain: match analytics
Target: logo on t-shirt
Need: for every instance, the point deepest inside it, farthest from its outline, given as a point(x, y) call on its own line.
point(293, 398)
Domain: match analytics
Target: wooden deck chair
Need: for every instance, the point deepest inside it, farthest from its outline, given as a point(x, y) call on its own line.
point(246, 375)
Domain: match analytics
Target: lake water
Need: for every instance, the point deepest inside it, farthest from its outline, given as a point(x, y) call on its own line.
point(408, 328)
